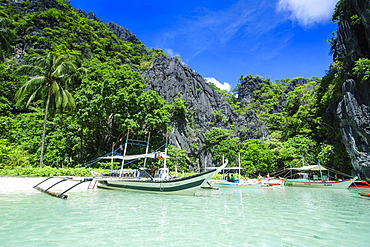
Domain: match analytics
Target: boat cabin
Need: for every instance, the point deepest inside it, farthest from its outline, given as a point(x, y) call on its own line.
point(312, 172)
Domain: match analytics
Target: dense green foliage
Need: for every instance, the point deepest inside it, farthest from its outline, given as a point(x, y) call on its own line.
point(303, 126)
point(52, 75)
point(110, 100)
point(296, 130)
point(230, 98)
point(6, 36)
point(223, 143)
point(362, 69)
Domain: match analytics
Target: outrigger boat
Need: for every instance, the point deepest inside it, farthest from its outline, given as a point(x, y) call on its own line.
point(247, 184)
point(364, 194)
point(360, 184)
point(227, 182)
point(234, 183)
point(316, 181)
point(141, 179)
point(237, 184)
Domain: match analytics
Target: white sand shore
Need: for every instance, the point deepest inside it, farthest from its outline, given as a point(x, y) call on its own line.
point(9, 185)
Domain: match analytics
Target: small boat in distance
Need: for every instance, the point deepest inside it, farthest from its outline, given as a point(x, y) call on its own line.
point(364, 194)
point(312, 177)
point(228, 181)
point(239, 184)
point(360, 184)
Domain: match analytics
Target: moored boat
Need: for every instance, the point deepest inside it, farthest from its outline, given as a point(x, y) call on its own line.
point(364, 194)
point(146, 180)
point(344, 184)
point(310, 179)
point(149, 180)
point(360, 184)
point(273, 182)
point(141, 179)
point(236, 184)
point(165, 184)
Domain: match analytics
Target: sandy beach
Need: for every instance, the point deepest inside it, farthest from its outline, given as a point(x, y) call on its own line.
point(9, 185)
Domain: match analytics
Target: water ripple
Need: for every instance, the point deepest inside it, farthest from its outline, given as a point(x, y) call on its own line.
point(272, 217)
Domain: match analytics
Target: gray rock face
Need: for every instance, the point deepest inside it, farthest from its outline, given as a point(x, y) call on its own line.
point(354, 115)
point(38, 5)
point(90, 15)
point(353, 110)
point(172, 79)
point(246, 96)
point(123, 33)
point(247, 86)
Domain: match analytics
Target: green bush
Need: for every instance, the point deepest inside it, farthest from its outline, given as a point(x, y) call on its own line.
point(45, 171)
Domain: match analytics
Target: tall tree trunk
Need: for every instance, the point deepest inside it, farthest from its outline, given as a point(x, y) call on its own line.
point(44, 128)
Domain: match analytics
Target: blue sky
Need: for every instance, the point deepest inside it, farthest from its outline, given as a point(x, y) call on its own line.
point(225, 39)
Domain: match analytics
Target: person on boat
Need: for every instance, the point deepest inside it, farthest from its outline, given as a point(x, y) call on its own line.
point(152, 170)
point(232, 178)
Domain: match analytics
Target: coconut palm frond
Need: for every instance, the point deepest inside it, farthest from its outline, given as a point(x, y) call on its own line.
point(32, 96)
point(52, 75)
point(31, 87)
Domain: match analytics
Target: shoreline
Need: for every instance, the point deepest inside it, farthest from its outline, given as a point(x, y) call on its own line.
point(10, 185)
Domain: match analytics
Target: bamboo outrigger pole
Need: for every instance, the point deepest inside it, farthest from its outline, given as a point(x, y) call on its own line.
point(239, 163)
point(147, 149)
point(124, 153)
point(165, 151)
point(320, 169)
point(111, 162)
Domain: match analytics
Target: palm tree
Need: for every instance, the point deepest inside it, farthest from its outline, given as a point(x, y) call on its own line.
point(52, 75)
point(6, 36)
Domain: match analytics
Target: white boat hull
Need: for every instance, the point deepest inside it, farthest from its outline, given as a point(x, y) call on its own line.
point(319, 184)
point(226, 184)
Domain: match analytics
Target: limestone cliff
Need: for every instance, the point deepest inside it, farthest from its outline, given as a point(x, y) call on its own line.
point(353, 109)
point(172, 79)
point(167, 76)
point(248, 85)
point(206, 108)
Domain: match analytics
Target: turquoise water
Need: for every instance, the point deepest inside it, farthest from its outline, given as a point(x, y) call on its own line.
point(229, 217)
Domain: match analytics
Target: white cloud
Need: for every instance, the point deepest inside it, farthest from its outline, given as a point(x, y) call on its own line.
point(308, 12)
point(225, 86)
point(212, 30)
point(171, 53)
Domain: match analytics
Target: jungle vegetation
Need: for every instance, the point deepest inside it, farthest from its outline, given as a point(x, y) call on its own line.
point(99, 95)
point(301, 129)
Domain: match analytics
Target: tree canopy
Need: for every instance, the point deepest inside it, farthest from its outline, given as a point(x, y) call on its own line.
point(51, 76)
point(51, 46)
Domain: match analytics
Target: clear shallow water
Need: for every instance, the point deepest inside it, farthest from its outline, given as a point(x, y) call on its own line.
point(228, 217)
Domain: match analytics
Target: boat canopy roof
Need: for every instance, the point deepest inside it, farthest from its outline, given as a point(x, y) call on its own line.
point(233, 168)
point(157, 155)
point(309, 168)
